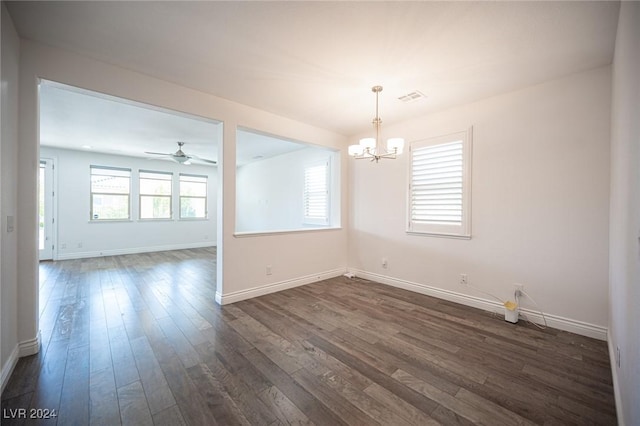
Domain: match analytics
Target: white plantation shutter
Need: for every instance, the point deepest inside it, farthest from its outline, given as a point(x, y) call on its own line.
point(316, 193)
point(436, 183)
point(439, 185)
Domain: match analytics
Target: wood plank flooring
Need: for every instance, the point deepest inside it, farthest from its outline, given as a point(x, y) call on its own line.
point(139, 340)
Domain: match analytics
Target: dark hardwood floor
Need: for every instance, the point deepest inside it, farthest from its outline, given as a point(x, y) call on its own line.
point(138, 339)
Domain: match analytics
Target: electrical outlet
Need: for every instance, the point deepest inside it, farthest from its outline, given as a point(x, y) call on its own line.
point(268, 270)
point(519, 288)
point(385, 263)
point(463, 279)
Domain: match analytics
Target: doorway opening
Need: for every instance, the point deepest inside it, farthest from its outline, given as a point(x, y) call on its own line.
point(124, 177)
point(46, 219)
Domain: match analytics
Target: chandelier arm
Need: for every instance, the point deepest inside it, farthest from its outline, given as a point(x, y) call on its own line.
point(390, 155)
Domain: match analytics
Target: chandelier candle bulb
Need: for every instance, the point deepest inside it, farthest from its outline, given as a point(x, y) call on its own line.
point(356, 150)
point(395, 145)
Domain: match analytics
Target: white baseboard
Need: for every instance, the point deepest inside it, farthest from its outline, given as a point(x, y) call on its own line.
point(553, 321)
point(8, 367)
point(616, 382)
point(29, 347)
point(236, 296)
point(26, 348)
point(133, 250)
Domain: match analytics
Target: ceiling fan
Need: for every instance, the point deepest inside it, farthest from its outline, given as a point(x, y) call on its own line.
point(180, 157)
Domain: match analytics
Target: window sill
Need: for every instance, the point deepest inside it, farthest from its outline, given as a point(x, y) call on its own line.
point(110, 220)
point(284, 231)
point(439, 235)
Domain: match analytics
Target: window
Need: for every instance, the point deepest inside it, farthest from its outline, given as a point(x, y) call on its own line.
point(155, 195)
point(316, 194)
point(284, 185)
point(110, 190)
point(440, 185)
point(193, 196)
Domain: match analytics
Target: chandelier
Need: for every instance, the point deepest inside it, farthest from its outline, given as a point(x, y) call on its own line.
point(370, 148)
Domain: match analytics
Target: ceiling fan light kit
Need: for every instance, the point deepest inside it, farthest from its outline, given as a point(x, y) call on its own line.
point(370, 148)
point(180, 157)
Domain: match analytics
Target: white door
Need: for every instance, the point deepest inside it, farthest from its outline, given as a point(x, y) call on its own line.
point(45, 209)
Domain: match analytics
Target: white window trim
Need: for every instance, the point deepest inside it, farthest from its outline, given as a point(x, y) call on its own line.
point(463, 230)
point(91, 194)
point(141, 195)
point(326, 221)
point(205, 197)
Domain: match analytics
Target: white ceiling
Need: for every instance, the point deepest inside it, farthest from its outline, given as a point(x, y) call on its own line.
point(74, 118)
point(316, 61)
point(79, 119)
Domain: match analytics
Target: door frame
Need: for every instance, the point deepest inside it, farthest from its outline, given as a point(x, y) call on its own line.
point(50, 210)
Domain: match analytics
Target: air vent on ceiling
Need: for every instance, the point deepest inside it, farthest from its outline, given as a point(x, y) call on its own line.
point(412, 97)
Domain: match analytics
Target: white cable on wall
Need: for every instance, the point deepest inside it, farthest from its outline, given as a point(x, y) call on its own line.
point(518, 304)
point(539, 310)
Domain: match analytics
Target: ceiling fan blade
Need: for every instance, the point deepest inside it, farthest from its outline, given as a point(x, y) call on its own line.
point(195, 157)
point(180, 157)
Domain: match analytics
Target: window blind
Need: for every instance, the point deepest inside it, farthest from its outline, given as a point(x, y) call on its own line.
point(439, 190)
point(316, 195)
point(436, 184)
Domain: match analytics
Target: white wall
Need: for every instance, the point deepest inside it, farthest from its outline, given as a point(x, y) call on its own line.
point(77, 237)
point(296, 258)
point(8, 197)
point(540, 190)
point(269, 192)
point(624, 266)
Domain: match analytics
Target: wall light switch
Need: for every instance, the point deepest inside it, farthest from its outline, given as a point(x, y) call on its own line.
point(10, 223)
